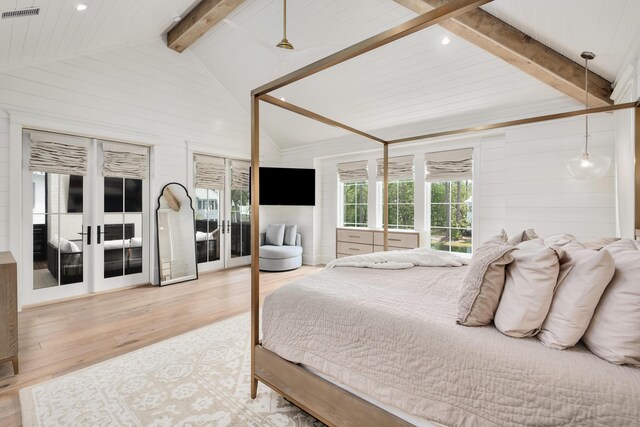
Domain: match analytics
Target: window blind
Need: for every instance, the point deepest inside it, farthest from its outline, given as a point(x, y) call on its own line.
point(399, 168)
point(353, 171)
point(209, 172)
point(453, 165)
point(124, 160)
point(239, 174)
point(57, 153)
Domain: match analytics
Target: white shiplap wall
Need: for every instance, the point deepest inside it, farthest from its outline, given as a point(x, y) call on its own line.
point(522, 183)
point(143, 93)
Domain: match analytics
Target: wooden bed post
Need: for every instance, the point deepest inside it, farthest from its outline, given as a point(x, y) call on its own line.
point(637, 166)
point(255, 238)
point(385, 197)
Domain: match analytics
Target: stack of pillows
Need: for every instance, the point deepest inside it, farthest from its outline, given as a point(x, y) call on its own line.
point(559, 290)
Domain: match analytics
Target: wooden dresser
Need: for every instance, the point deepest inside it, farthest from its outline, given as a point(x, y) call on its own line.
point(8, 310)
point(355, 241)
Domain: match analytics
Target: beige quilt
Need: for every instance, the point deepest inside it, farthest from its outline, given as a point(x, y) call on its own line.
point(392, 335)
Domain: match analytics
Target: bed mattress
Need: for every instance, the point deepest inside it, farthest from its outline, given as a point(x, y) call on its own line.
point(392, 335)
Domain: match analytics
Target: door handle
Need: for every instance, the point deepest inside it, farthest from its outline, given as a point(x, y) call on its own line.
point(99, 235)
point(222, 227)
point(88, 234)
point(229, 227)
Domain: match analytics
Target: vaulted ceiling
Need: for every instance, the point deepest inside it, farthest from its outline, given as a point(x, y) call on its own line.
point(414, 85)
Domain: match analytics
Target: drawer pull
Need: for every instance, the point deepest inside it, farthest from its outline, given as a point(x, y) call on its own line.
point(395, 240)
point(354, 249)
point(355, 237)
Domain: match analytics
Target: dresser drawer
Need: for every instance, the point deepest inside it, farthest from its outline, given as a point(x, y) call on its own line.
point(355, 236)
point(348, 248)
point(398, 240)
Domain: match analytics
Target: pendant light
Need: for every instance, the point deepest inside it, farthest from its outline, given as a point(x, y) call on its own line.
point(284, 43)
point(588, 166)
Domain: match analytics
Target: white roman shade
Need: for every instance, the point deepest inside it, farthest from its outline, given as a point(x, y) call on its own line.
point(57, 153)
point(353, 171)
point(209, 172)
point(453, 165)
point(399, 168)
point(124, 160)
point(239, 174)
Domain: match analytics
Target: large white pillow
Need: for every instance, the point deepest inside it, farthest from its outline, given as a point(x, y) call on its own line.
point(614, 332)
point(579, 290)
point(528, 290)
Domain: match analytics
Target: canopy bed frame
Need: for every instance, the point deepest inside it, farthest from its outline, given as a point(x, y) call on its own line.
point(327, 402)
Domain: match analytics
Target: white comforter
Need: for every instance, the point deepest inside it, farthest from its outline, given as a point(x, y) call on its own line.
point(392, 335)
point(399, 260)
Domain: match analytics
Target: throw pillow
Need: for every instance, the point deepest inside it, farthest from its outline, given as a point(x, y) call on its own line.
point(275, 234)
point(528, 291)
point(482, 287)
point(577, 295)
point(290, 232)
point(614, 331)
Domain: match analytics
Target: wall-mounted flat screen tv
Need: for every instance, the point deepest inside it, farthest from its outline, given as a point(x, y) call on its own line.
point(287, 186)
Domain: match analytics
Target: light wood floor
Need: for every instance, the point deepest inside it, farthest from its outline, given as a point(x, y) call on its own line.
point(59, 338)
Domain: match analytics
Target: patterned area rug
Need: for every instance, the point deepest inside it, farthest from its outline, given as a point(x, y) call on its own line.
point(200, 378)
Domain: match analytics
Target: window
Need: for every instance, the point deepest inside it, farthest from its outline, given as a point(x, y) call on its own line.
point(401, 202)
point(354, 204)
point(451, 216)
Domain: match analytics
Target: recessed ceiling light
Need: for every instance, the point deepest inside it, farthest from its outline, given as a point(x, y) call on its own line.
point(446, 40)
point(283, 100)
point(81, 6)
point(177, 18)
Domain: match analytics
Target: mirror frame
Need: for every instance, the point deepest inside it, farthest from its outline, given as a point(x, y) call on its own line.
point(193, 214)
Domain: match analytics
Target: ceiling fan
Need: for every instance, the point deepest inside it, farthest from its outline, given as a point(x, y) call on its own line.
point(289, 58)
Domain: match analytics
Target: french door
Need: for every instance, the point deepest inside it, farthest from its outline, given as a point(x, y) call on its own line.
point(222, 213)
point(86, 232)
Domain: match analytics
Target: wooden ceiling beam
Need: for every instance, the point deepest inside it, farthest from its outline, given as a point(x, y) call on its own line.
point(504, 41)
point(197, 22)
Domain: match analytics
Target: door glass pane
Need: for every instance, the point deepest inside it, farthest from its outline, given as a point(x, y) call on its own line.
point(113, 244)
point(207, 225)
point(113, 194)
point(133, 195)
point(70, 248)
point(133, 246)
point(240, 223)
point(57, 229)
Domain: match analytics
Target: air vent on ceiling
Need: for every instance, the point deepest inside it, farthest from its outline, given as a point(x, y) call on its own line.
point(20, 13)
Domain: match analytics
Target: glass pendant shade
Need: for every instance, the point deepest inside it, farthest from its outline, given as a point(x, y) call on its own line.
point(588, 166)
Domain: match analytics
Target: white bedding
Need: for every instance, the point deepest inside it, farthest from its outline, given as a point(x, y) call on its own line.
point(399, 260)
point(392, 336)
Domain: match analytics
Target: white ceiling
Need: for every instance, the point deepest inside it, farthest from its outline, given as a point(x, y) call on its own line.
point(61, 31)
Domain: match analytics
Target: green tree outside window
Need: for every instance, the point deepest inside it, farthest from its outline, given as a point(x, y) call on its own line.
point(401, 204)
point(451, 216)
point(355, 204)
